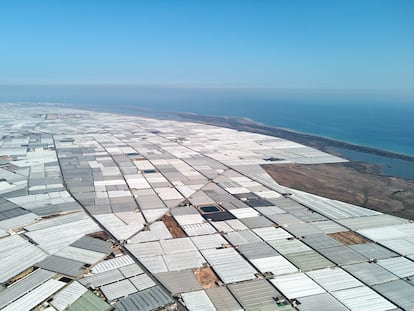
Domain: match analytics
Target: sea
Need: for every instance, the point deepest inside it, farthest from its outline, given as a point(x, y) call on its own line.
point(379, 119)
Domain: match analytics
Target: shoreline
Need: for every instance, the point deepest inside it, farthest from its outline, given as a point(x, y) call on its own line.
point(246, 124)
point(312, 140)
point(389, 164)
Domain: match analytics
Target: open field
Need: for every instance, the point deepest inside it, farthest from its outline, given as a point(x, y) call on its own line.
point(353, 182)
point(206, 277)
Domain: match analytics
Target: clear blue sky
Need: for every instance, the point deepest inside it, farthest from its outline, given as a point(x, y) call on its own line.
point(361, 44)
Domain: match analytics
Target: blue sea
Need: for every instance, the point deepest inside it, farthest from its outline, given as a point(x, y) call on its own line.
point(383, 120)
point(380, 119)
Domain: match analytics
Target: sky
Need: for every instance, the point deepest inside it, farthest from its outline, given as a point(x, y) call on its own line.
point(352, 44)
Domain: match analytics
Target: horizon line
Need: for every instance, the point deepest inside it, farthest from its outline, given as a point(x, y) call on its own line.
point(199, 86)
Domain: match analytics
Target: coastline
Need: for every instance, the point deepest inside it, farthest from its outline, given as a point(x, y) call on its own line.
point(387, 162)
point(357, 182)
point(316, 141)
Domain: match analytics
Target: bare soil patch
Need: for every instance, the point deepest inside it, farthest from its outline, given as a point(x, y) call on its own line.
point(206, 277)
point(353, 182)
point(173, 227)
point(348, 237)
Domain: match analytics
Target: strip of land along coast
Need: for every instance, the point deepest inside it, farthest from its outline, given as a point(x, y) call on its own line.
point(354, 182)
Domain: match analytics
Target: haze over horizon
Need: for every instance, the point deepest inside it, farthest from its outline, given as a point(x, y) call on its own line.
point(242, 44)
